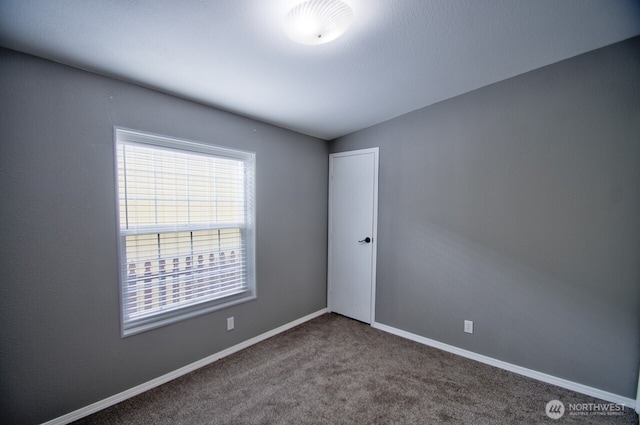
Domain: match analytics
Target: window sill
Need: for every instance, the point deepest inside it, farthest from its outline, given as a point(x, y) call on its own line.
point(186, 313)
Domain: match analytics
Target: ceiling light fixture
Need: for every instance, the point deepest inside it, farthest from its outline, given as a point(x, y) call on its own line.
point(318, 21)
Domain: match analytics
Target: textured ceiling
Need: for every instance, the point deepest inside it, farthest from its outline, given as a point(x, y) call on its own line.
point(398, 56)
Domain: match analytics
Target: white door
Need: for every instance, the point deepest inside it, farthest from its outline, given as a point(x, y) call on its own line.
point(353, 207)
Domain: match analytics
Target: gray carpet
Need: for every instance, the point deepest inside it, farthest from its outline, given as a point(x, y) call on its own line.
point(333, 370)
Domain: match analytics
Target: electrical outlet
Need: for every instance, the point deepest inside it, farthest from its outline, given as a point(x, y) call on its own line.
point(230, 324)
point(468, 326)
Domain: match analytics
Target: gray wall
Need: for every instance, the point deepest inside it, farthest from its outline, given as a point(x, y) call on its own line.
point(517, 206)
point(60, 346)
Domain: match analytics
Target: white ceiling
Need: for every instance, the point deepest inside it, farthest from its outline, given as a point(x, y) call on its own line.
point(398, 56)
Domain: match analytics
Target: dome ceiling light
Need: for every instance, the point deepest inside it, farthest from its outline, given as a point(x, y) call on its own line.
point(318, 21)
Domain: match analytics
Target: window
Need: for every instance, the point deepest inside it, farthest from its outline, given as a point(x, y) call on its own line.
point(186, 228)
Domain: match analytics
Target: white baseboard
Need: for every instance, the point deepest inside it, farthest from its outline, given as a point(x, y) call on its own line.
point(550, 379)
point(117, 398)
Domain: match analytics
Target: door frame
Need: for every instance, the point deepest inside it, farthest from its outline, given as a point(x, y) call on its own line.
point(374, 236)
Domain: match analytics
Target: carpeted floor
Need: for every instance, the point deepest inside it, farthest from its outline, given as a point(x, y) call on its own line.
point(333, 370)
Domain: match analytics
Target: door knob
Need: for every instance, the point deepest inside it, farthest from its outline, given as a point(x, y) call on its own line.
point(366, 240)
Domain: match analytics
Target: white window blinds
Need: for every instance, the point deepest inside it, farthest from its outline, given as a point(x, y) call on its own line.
point(186, 228)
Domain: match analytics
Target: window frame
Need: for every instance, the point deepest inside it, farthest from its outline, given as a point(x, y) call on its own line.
point(247, 232)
